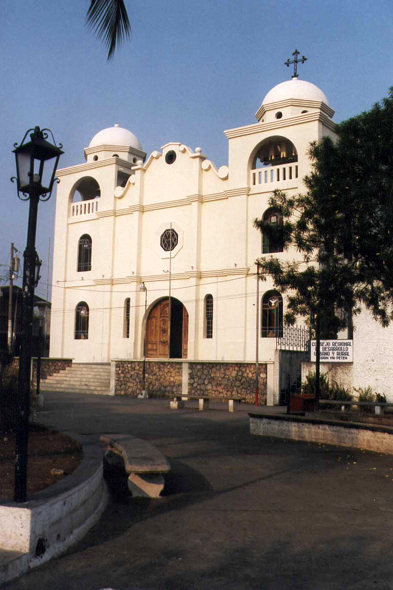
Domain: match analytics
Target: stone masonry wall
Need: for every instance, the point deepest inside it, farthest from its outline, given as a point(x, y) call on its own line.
point(163, 379)
point(226, 379)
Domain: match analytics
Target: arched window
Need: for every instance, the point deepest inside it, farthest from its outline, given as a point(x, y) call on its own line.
point(208, 316)
point(84, 253)
point(275, 151)
point(272, 311)
point(82, 321)
point(86, 188)
point(270, 245)
point(126, 322)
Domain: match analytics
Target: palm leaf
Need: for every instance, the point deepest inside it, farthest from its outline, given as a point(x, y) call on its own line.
point(109, 20)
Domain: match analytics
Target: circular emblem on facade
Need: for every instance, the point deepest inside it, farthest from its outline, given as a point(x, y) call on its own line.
point(169, 240)
point(170, 157)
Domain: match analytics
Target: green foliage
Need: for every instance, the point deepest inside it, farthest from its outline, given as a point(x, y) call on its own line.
point(366, 394)
point(109, 20)
point(338, 392)
point(332, 391)
point(342, 227)
point(309, 386)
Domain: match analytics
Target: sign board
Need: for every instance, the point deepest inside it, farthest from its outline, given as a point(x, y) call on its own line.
point(333, 351)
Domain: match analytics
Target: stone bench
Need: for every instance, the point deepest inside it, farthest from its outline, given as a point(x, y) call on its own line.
point(178, 401)
point(379, 407)
point(143, 462)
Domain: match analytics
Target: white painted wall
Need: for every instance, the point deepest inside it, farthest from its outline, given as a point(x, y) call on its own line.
point(212, 211)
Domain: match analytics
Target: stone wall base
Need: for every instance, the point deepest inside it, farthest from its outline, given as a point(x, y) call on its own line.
point(167, 378)
point(370, 438)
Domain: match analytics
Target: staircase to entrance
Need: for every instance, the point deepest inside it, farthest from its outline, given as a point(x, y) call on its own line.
point(80, 378)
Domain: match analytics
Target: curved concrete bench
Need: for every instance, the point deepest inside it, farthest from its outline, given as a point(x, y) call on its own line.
point(143, 462)
point(53, 519)
point(368, 437)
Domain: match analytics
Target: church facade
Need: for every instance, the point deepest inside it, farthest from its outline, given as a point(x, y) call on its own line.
point(155, 255)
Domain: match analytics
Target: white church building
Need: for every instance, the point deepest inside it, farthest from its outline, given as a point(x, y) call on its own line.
point(155, 255)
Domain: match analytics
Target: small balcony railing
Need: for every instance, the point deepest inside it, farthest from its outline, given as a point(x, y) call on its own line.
point(274, 174)
point(84, 208)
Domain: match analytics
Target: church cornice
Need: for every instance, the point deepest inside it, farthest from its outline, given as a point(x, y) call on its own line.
point(280, 124)
point(115, 148)
point(164, 277)
point(197, 198)
point(295, 102)
point(93, 165)
point(181, 276)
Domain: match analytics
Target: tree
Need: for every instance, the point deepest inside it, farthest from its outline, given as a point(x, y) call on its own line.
point(109, 19)
point(341, 227)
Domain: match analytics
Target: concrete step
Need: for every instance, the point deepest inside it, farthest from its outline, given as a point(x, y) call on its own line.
point(80, 378)
point(68, 387)
point(82, 391)
point(77, 378)
point(12, 564)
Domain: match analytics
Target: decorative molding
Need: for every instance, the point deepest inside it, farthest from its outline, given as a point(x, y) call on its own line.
point(280, 124)
point(238, 192)
point(296, 102)
point(114, 148)
point(164, 277)
point(94, 165)
point(103, 281)
point(222, 172)
point(107, 213)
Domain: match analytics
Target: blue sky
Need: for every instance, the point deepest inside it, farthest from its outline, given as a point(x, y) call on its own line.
point(191, 70)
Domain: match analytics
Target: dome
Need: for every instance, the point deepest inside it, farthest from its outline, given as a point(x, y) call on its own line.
point(115, 136)
point(295, 88)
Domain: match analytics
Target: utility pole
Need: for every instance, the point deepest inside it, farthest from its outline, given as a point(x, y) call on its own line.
point(14, 267)
point(170, 291)
point(257, 341)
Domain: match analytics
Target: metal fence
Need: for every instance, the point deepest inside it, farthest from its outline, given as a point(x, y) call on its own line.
point(294, 338)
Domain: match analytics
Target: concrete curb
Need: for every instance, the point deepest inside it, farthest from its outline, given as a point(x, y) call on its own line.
point(347, 434)
point(55, 518)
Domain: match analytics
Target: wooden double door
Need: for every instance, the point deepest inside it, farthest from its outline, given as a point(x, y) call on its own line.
point(162, 342)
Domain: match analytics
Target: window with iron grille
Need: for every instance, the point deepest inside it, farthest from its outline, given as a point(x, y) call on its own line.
point(269, 245)
point(84, 253)
point(169, 240)
point(126, 328)
point(82, 321)
point(272, 315)
point(209, 316)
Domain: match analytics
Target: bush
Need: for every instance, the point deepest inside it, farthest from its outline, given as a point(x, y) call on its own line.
point(340, 393)
point(309, 386)
point(366, 394)
point(326, 391)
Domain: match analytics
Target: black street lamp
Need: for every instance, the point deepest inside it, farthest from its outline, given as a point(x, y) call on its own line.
point(36, 164)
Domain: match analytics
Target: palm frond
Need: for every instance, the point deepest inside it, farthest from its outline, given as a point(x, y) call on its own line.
point(109, 20)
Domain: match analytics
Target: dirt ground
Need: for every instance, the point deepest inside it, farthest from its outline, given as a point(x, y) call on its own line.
point(52, 456)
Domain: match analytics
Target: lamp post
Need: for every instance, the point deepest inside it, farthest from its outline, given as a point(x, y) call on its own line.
point(36, 164)
point(143, 289)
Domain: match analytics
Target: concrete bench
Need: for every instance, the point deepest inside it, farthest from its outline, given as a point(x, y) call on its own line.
point(379, 407)
point(143, 462)
point(178, 401)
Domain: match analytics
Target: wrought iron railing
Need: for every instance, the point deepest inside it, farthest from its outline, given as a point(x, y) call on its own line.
point(294, 338)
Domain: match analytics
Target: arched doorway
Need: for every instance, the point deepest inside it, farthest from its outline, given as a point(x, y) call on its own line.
point(158, 333)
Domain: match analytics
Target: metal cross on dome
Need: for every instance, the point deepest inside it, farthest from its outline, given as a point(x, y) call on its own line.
point(295, 61)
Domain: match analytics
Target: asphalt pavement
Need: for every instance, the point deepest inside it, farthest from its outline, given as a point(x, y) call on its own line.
point(239, 512)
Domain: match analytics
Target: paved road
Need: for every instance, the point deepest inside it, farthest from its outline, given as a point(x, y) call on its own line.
point(240, 512)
